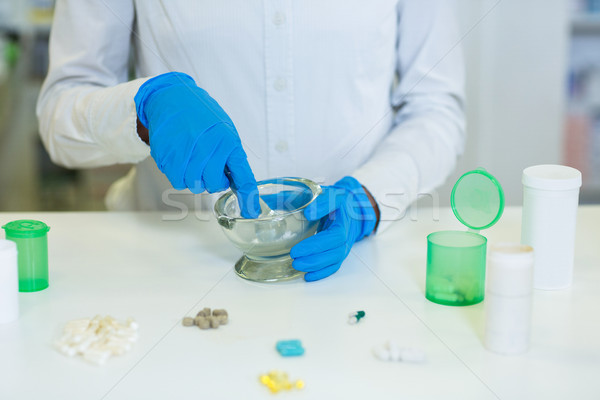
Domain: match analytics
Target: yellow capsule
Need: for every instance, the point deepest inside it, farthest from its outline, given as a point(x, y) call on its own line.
point(277, 381)
point(277, 375)
point(274, 387)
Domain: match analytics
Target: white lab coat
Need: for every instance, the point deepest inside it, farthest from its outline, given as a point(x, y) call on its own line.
point(317, 89)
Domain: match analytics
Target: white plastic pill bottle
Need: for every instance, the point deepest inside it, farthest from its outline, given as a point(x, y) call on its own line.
point(550, 201)
point(9, 282)
point(508, 298)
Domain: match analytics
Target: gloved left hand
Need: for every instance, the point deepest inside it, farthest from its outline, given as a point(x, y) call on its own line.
point(193, 140)
point(351, 218)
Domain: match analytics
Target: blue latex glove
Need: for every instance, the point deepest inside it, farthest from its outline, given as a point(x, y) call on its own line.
point(351, 218)
point(192, 139)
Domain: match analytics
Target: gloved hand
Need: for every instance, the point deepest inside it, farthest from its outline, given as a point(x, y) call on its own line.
point(192, 139)
point(351, 218)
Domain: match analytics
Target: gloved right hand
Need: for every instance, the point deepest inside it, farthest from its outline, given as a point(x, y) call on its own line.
point(192, 139)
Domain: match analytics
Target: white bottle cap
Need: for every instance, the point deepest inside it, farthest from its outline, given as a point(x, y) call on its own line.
point(510, 269)
point(9, 282)
point(551, 177)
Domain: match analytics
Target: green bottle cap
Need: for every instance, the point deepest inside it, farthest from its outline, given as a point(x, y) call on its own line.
point(26, 228)
point(477, 199)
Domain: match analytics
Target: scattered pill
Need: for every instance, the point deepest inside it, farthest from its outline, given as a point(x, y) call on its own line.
point(381, 353)
point(356, 316)
point(205, 312)
point(214, 322)
point(392, 352)
point(97, 339)
point(96, 356)
point(203, 323)
point(276, 381)
point(204, 319)
point(218, 312)
point(290, 348)
point(412, 355)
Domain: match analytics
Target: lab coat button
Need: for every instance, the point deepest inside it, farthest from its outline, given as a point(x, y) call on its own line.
point(280, 84)
point(279, 18)
point(281, 146)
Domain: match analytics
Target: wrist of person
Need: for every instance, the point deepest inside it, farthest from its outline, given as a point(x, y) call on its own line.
point(375, 208)
point(142, 132)
point(362, 204)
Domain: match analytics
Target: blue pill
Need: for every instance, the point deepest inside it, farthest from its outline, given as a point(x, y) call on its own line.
point(290, 348)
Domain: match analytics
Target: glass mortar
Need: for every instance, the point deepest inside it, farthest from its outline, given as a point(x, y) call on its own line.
point(266, 241)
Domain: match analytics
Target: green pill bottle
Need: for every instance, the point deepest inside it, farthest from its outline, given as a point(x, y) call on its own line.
point(32, 247)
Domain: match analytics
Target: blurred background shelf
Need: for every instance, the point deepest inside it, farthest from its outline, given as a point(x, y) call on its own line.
point(28, 178)
point(533, 90)
point(585, 23)
point(582, 123)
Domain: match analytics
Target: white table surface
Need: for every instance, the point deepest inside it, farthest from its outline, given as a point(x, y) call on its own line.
point(157, 271)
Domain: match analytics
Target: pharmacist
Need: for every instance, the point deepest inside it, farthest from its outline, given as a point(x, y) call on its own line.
point(363, 97)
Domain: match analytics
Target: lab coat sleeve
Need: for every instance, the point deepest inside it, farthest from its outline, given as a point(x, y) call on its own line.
point(85, 109)
point(421, 149)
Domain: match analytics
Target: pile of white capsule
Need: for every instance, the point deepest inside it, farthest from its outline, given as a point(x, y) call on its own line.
point(98, 338)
